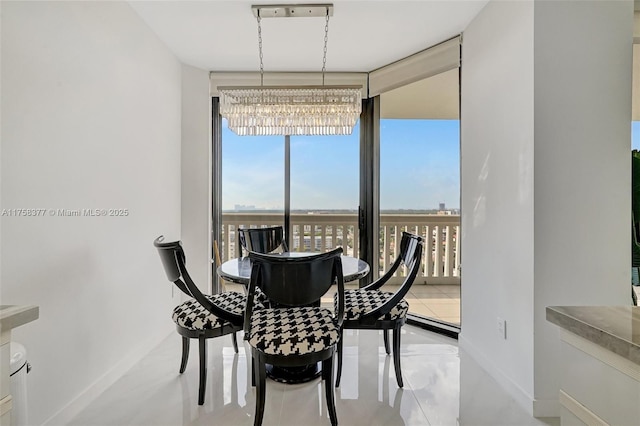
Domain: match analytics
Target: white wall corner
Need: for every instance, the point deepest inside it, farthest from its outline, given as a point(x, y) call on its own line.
point(546, 407)
point(196, 174)
point(519, 395)
point(497, 162)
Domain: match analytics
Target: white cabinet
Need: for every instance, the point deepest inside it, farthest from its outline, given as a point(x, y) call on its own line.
point(11, 316)
point(600, 353)
point(597, 386)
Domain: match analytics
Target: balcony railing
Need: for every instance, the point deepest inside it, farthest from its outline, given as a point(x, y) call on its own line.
point(321, 232)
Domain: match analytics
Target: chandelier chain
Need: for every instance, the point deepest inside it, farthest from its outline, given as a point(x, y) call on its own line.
point(324, 50)
point(260, 50)
point(289, 109)
point(324, 53)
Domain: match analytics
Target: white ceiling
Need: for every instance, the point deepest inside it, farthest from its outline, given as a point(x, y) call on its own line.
point(221, 35)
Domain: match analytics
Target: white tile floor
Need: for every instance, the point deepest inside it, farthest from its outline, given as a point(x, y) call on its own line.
point(443, 386)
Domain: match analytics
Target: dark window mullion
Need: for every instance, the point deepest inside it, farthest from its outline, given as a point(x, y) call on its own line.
point(369, 210)
point(216, 184)
point(287, 191)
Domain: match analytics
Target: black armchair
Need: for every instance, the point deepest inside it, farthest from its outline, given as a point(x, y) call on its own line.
point(201, 317)
point(297, 331)
point(370, 308)
point(262, 240)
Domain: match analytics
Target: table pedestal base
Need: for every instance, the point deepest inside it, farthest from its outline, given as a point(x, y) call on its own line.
point(293, 375)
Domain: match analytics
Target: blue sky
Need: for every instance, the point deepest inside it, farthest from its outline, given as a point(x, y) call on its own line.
point(420, 162)
point(419, 168)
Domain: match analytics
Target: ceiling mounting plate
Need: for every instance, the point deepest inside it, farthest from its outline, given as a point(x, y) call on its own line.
point(292, 10)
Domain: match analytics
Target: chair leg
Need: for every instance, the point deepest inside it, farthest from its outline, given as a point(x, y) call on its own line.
point(396, 354)
point(185, 354)
point(203, 369)
point(327, 375)
point(260, 391)
point(339, 350)
point(234, 338)
point(385, 334)
point(253, 371)
point(328, 372)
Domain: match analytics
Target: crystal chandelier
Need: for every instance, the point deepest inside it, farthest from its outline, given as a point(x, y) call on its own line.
point(291, 110)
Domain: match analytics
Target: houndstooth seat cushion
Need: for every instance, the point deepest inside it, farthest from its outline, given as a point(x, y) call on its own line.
point(260, 299)
point(293, 331)
point(358, 302)
point(194, 316)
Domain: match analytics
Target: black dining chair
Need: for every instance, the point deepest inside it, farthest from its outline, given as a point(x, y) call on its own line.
point(370, 308)
point(297, 331)
point(262, 240)
point(202, 316)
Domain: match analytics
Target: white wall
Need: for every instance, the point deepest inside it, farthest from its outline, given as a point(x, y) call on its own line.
point(583, 63)
point(546, 109)
point(497, 192)
point(196, 174)
point(90, 119)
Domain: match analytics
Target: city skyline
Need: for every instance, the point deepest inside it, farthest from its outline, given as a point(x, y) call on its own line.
point(244, 208)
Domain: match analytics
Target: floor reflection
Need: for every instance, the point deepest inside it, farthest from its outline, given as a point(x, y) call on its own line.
point(479, 405)
point(442, 387)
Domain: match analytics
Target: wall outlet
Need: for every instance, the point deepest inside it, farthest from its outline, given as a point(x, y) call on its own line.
point(502, 328)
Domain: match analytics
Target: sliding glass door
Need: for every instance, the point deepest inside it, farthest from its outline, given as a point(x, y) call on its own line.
point(420, 189)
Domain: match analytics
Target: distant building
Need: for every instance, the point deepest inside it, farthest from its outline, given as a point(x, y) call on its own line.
point(243, 207)
point(442, 207)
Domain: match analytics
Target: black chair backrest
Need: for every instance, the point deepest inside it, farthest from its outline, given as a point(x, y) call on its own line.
point(411, 247)
point(173, 260)
point(296, 281)
point(408, 247)
point(169, 252)
point(262, 240)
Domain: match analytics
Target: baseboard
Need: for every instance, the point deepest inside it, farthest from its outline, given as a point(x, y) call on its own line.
point(546, 408)
point(71, 410)
point(517, 393)
point(580, 411)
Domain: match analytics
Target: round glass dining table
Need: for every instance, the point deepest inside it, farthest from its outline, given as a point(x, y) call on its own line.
point(238, 270)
